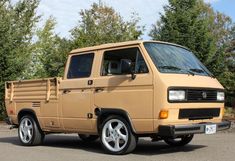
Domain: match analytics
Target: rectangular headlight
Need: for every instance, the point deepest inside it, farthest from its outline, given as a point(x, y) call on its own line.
point(220, 96)
point(176, 95)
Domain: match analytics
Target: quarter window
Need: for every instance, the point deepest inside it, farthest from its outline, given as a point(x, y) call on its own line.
point(80, 66)
point(112, 61)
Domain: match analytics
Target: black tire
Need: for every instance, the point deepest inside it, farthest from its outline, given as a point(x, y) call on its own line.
point(37, 136)
point(88, 138)
point(183, 140)
point(130, 140)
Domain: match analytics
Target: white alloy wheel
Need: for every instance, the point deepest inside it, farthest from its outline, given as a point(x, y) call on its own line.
point(26, 130)
point(115, 135)
point(29, 131)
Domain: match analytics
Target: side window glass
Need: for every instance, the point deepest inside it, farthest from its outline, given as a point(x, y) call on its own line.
point(140, 66)
point(80, 66)
point(112, 61)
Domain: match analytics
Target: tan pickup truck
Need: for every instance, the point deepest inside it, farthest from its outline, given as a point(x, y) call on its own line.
point(119, 92)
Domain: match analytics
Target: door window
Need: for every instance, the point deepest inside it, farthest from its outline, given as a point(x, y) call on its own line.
point(80, 66)
point(112, 61)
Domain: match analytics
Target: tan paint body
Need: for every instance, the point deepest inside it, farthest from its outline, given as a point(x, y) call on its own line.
point(142, 98)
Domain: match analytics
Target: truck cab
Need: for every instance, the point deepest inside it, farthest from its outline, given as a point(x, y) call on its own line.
point(118, 92)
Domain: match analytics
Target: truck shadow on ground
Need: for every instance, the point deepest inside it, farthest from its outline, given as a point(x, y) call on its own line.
point(144, 147)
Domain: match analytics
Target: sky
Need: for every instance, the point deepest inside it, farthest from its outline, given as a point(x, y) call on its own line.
point(66, 12)
point(225, 6)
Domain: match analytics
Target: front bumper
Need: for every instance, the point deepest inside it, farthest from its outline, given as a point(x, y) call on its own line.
point(177, 130)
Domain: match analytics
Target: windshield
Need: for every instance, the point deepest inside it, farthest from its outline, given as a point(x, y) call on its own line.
point(173, 59)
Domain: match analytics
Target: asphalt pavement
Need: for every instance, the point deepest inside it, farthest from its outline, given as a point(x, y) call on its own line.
point(62, 147)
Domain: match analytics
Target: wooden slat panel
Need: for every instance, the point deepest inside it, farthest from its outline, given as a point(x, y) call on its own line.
point(23, 85)
point(33, 89)
point(25, 89)
point(41, 88)
point(33, 93)
point(33, 97)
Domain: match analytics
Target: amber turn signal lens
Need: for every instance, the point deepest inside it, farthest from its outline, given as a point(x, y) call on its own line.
point(163, 114)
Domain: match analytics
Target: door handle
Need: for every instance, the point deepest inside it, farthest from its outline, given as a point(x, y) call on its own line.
point(99, 89)
point(90, 82)
point(66, 91)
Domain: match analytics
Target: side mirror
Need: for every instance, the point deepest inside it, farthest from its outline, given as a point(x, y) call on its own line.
point(126, 67)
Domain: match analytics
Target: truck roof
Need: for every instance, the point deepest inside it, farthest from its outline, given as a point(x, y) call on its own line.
point(119, 44)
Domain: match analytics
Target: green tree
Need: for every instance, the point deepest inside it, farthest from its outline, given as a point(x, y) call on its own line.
point(50, 52)
point(228, 76)
point(17, 23)
point(102, 24)
point(194, 24)
point(184, 23)
point(222, 62)
point(221, 27)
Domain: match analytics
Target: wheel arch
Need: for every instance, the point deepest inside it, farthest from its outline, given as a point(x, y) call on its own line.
point(30, 112)
point(103, 113)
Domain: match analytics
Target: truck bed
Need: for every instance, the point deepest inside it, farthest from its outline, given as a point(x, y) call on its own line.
point(38, 89)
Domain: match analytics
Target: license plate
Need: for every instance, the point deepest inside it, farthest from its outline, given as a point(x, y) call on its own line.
point(210, 129)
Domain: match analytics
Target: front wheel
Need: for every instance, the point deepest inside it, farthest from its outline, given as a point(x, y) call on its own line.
point(29, 132)
point(179, 141)
point(116, 136)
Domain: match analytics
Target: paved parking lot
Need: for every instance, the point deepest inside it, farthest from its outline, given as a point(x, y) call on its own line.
point(218, 147)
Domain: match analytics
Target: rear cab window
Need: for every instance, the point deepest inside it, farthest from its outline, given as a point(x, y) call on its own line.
point(80, 66)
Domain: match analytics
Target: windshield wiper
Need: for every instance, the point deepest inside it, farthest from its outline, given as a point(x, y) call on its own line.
point(175, 68)
point(202, 71)
point(169, 67)
point(197, 70)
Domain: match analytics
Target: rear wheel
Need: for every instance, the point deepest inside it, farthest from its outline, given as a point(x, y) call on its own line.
point(116, 136)
point(88, 138)
point(179, 141)
point(29, 132)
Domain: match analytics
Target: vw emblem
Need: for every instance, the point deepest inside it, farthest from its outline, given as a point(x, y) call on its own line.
point(204, 95)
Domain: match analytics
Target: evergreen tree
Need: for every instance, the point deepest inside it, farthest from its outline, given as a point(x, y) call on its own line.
point(17, 23)
point(184, 23)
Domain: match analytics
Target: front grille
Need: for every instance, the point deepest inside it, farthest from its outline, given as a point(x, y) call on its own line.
point(201, 95)
point(194, 95)
point(197, 114)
